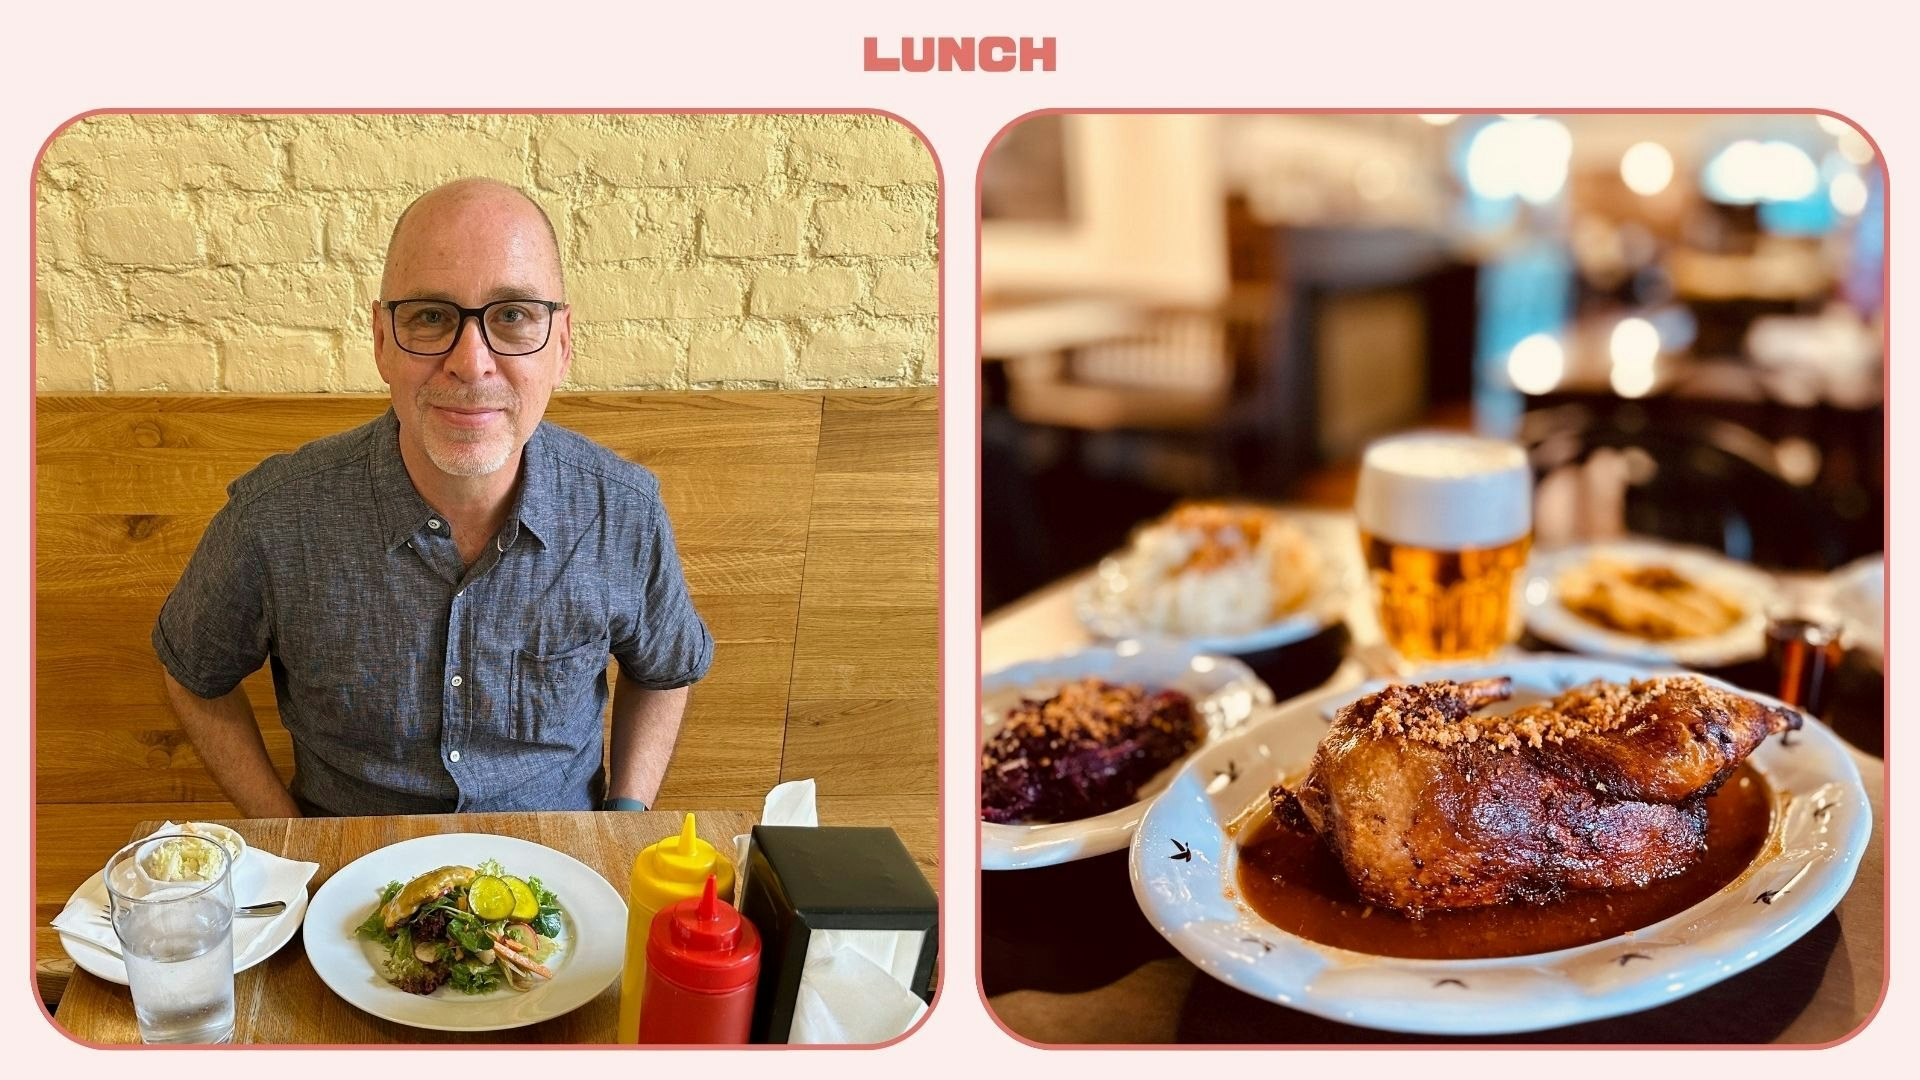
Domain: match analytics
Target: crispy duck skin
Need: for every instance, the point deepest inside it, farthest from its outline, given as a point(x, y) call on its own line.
point(1429, 806)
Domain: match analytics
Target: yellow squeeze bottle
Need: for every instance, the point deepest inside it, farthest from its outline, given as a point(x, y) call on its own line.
point(672, 870)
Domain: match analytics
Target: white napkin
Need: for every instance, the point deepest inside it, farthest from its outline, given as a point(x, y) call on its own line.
point(847, 998)
point(790, 803)
point(853, 983)
point(260, 877)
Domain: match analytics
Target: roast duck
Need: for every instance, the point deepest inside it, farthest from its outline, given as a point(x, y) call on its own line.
point(1430, 806)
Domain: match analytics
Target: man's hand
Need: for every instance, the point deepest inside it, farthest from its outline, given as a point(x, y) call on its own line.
point(227, 738)
point(646, 723)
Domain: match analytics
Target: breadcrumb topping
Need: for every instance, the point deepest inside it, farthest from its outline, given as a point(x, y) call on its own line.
point(1083, 751)
point(1441, 713)
point(1092, 709)
point(1227, 533)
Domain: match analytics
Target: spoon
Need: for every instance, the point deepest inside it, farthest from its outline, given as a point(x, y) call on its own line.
point(271, 907)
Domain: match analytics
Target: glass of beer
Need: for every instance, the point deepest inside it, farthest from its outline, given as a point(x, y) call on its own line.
point(1445, 523)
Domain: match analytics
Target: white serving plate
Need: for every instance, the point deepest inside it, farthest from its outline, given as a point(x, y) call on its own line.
point(1745, 640)
point(1225, 691)
point(1190, 900)
point(591, 952)
point(1100, 600)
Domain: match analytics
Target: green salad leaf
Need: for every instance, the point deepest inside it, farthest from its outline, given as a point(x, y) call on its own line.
point(471, 977)
point(547, 923)
point(375, 928)
point(470, 933)
point(405, 970)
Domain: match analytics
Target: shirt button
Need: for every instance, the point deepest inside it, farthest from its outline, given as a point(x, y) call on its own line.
point(433, 523)
point(456, 680)
point(455, 756)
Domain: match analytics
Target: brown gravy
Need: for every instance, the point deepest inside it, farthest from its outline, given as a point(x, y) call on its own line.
point(1290, 878)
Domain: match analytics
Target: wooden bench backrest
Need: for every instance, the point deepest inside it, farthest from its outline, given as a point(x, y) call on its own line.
point(808, 524)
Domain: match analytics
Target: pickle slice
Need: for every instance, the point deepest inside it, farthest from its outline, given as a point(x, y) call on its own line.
point(490, 898)
point(525, 905)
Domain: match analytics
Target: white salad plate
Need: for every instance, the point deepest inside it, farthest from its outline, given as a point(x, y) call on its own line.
point(1184, 866)
point(1550, 619)
point(1225, 691)
point(1102, 601)
point(592, 942)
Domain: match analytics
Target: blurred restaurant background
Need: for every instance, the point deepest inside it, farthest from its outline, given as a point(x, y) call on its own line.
point(1679, 316)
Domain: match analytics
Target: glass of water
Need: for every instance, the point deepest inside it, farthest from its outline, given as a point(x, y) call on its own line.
point(172, 908)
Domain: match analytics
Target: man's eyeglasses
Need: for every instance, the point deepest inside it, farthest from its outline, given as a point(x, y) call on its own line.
point(508, 327)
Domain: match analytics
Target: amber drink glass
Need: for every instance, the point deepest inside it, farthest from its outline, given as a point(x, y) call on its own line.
point(1446, 521)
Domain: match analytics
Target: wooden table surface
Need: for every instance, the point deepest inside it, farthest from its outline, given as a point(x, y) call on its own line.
point(1060, 965)
point(283, 1001)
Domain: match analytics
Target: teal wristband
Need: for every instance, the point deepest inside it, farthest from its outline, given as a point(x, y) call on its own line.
point(622, 803)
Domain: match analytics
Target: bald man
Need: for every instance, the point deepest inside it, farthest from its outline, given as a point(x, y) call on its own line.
point(439, 591)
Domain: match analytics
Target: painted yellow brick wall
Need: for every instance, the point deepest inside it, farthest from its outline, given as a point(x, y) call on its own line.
point(240, 253)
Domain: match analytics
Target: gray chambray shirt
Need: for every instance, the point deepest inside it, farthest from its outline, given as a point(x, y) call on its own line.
point(410, 683)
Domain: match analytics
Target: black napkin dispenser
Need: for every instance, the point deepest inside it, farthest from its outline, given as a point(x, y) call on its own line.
point(802, 880)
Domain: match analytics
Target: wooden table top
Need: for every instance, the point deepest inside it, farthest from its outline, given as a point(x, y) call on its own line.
point(1099, 973)
point(283, 1001)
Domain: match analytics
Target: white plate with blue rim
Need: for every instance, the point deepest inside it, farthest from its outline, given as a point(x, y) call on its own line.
point(1225, 692)
point(1184, 867)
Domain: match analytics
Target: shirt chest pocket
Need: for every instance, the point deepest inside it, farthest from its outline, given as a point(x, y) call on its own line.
point(557, 698)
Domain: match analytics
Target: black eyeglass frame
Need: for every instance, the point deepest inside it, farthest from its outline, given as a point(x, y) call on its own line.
point(479, 315)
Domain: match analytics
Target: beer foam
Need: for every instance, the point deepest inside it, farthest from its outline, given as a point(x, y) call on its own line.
point(1445, 491)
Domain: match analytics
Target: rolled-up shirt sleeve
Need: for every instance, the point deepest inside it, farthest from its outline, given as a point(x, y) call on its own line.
point(662, 643)
point(213, 630)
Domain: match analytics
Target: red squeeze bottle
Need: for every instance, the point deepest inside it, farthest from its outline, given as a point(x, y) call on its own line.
point(703, 959)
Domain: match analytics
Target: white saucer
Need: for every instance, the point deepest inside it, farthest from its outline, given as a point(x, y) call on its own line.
point(100, 963)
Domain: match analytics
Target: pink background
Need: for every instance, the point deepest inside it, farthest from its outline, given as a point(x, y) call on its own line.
point(1514, 56)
